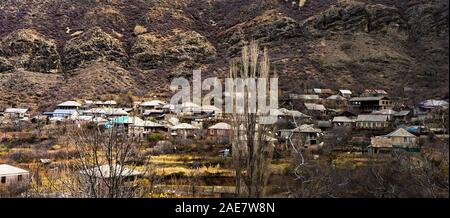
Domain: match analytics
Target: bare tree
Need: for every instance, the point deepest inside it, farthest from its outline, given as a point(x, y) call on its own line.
point(106, 164)
point(251, 144)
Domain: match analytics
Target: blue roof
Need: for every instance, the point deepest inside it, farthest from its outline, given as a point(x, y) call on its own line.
point(413, 129)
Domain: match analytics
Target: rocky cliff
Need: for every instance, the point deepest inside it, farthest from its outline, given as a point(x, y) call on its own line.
point(56, 49)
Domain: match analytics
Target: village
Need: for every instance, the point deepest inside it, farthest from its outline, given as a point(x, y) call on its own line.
point(355, 127)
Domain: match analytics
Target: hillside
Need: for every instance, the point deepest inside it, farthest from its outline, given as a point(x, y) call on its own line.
point(52, 50)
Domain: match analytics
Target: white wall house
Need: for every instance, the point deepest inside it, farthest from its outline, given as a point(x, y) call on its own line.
point(13, 178)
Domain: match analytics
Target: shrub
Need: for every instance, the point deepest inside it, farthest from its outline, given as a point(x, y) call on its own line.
point(155, 137)
point(138, 29)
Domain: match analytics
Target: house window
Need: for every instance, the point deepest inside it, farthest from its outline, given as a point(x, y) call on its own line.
point(3, 180)
point(19, 178)
point(405, 139)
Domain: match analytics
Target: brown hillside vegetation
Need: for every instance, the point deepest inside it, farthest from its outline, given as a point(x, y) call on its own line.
point(95, 47)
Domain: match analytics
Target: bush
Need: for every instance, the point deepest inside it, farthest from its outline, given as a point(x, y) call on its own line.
point(138, 29)
point(155, 137)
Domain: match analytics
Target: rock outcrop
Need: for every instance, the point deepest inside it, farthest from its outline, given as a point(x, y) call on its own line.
point(93, 45)
point(28, 49)
point(189, 49)
point(356, 16)
point(429, 19)
point(5, 65)
point(269, 26)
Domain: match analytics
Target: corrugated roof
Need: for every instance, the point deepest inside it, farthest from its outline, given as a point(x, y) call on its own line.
point(400, 133)
point(316, 107)
point(107, 171)
point(371, 118)
point(342, 119)
point(220, 126)
point(305, 128)
point(402, 113)
point(304, 97)
point(184, 126)
point(323, 91)
point(369, 98)
point(63, 111)
point(16, 110)
point(69, 104)
point(345, 91)
point(152, 103)
point(336, 97)
point(433, 103)
point(293, 113)
point(148, 123)
point(6, 169)
point(385, 112)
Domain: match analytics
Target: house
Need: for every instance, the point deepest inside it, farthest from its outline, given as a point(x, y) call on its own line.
point(374, 92)
point(184, 131)
point(110, 103)
point(189, 107)
point(304, 97)
point(284, 115)
point(305, 135)
point(156, 113)
point(430, 105)
point(69, 105)
point(372, 121)
point(13, 179)
point(219, 131)
point(323, 92)
point(403, 116)
point(70, 114)
point(336, 98)
point(151, 105)
point(398, 139)
point(324, 125)
point(342, 121)
point(211, 111)
point(145, 127)
point(15, 113)
point(106, 112)
point(372, 103)
point(315, 107)
point(111, 171)
point(124, 121)
point(389, 112)
point(345, 93)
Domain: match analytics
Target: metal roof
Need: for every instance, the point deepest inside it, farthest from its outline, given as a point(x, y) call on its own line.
point(371, 118)
point(107, 171)
point(400, 133)
point(16, 110)
point(342, 119)
point(220, 126)
point(433, 103)
point(305, 128)
point(184, 126)
point(385, 112)
point(69, 104)
point(293, 113)
point(6, 169)
point(336, 97)
point(63, 111)
point(316, 107)
point(148, 123)
point(152, 103)
point(402, 113)
point(369, 98)
point(345, 91)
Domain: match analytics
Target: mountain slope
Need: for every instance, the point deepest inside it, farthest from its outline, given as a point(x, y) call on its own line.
point(57, 49)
